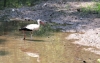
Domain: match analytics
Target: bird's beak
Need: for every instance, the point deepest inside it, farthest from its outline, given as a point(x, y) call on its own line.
point(42, 23)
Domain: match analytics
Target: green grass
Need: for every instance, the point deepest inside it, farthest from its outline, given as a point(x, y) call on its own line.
point(13, 27)
point(44, 30)
point(95, 9)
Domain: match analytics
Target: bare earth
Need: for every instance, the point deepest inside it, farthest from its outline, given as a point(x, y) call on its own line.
point(91, 32)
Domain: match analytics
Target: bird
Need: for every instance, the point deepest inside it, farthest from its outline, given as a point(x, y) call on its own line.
point(31, 27)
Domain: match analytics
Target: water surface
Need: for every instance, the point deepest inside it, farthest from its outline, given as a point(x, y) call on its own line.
point(53, 48)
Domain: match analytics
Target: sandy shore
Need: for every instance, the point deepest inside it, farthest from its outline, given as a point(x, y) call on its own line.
point(90, 38)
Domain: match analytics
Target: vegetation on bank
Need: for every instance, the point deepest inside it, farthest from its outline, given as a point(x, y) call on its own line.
point(13, 27)
point(18, 3)
point(92, 9)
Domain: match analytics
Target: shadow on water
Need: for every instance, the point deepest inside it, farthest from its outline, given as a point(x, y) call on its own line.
point(34, 40)
point(2, 41)
point(3, 53)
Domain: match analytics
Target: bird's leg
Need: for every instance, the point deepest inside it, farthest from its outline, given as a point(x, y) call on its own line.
point(31, 34)
point(24, 35)
point(38, 59)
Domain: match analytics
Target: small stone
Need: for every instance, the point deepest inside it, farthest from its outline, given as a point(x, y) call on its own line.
point(84, 61)
point(78, 10)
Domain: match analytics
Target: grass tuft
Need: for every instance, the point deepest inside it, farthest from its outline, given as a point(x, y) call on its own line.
point(12, 28)
point(44, 30)
point(94, 9)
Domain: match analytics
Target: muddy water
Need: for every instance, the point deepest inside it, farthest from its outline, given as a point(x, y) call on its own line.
point(47, 49)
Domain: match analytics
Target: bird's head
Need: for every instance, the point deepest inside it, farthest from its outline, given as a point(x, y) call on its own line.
point(41, 22)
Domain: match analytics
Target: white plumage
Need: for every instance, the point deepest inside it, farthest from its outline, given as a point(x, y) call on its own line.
point(34, 26)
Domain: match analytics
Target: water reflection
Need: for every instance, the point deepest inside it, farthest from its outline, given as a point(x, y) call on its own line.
point(35, 40)
point(2, 41)
point(31, 53)
point(3, 53)
point(52, 49)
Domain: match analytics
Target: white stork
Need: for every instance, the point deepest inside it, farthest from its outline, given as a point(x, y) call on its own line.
point(31, 27)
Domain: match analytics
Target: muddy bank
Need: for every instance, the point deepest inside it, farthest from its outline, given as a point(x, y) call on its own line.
point(90, 38)
point(58, 11)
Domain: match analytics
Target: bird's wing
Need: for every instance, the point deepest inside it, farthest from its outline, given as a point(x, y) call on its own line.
point(32, 26)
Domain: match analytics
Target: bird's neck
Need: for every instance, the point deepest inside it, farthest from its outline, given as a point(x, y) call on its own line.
point(39, 23)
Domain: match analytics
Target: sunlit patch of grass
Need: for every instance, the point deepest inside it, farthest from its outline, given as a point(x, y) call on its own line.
point(94, 9)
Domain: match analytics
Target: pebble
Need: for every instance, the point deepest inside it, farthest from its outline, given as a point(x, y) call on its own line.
point(84, 62)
